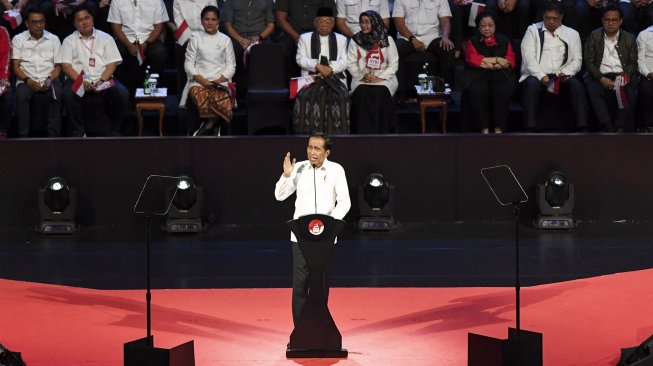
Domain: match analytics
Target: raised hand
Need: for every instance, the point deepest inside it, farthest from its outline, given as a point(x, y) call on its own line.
point(288, 165)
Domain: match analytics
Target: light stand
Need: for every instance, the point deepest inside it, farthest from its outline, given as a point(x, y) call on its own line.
point(153, 200)
point(555, 212)
point(522, 348)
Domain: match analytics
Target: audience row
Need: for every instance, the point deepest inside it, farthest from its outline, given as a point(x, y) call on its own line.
point(207, 59)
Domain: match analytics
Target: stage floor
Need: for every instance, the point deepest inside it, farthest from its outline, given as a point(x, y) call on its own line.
point(413, 255)
point(584, 322)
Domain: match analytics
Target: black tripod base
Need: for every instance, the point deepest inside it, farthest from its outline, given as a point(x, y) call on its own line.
point(522, 348)
point(316, 353)
point(138, 353)
point(631, 357)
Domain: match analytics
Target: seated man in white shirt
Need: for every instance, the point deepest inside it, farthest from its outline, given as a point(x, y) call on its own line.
point(350, 10)
point(138, 24)
point(323, 54)
point(645, 65)
point(95, 53)
point(423, 26)
point(37, 75)
point(551, 57)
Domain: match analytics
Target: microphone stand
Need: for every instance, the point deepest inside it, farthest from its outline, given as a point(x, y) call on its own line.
point(148, 294)
point(314, 187)
point(517, 280)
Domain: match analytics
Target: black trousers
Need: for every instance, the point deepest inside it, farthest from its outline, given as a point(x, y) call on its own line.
point(573, 89)
point(28, 109)
point(514, 23)
point(646, 96)
point(444, 62)
point(372, 110)
point(490, 99)
point(131, 73)
point(6, 100)
point(99, 114)
point(603, 100)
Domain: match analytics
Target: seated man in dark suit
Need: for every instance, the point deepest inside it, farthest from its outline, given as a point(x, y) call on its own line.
point(611, 63)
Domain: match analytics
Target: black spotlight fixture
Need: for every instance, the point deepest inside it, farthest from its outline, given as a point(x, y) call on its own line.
point(555, 199)
point(57, 207)
point(376, 203)
point(185, 213)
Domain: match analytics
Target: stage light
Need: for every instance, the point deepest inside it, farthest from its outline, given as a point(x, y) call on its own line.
point(185, 213)
point(376, 204)
point(555, 200)
point(57, 207)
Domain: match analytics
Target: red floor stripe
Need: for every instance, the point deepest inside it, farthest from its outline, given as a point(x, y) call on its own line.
point(584, 322)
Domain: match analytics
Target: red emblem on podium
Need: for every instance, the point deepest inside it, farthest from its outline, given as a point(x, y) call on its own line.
point(315, 227)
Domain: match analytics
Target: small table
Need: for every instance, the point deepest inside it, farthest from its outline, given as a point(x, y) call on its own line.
point(151, 102)
point(426, 99)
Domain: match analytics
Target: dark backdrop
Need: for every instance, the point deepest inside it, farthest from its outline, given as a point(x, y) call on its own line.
point(437, 177)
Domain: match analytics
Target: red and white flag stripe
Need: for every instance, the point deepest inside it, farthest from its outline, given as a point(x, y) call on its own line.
point(183, 33)
point(473, 12)
point(78, 84)
point(13, 17)
point(140, 55)
point(620, 83)
point(554, 85)
point(297, 84)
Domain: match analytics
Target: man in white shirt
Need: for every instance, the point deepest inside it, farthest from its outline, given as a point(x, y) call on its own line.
point(611, 65)
point(423, 26)
point(95, 53)
point(322, 53)
point(37, 75)
point(645, 65)
point(551, 57)
point(138, 23)
point(321, 187)
point(350, 10)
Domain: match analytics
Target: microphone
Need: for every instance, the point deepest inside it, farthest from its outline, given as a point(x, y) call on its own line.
point(314, 186)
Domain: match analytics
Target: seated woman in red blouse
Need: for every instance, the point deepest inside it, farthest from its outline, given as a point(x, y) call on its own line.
point(489, 75)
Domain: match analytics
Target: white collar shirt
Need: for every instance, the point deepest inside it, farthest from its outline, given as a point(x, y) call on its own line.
point(329, 191)
point(78, 51)
point(307, 63)
point(37, 56)
point(137, 17)
point(553, 53)
point(422, 17)
point(350, 10)
point(610, 62)
point(190, 11)
point(645, 51)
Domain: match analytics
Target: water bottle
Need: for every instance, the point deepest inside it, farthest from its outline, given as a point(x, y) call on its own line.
point(423, 77)
point(146, 82)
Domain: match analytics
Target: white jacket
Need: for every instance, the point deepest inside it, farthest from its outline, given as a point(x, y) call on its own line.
point(531, 51)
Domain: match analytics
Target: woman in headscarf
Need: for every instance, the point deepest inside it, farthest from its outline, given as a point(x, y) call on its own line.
point(489, 75)
point(210, 65)
point(372, 62)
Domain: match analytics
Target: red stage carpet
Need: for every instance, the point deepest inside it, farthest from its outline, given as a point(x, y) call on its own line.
point(584, 322)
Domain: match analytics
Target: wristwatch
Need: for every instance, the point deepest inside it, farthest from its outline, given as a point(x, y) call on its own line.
point(26, 79)
point(410, 39)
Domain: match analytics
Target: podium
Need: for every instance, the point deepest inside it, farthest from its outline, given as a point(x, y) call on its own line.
point(316, 334)
point(522, 347)
point(155, 200)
